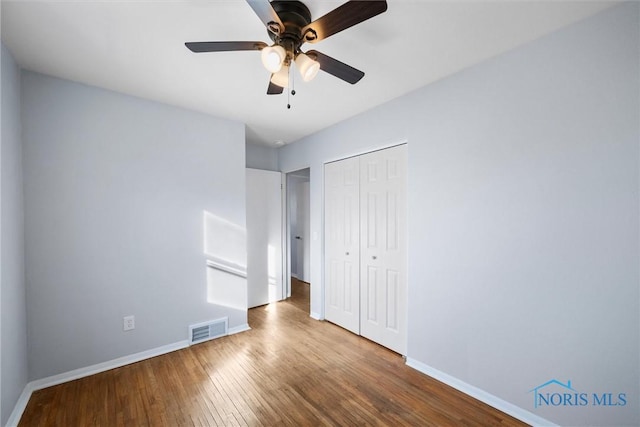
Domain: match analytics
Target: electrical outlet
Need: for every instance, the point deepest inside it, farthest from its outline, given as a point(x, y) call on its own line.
point(129, 323)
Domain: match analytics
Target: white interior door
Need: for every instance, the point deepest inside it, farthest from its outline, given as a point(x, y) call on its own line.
point(383, 286)
point(342, 247)
point(264, 237)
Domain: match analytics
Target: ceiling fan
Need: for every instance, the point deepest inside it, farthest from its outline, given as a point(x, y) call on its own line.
point(289, 26)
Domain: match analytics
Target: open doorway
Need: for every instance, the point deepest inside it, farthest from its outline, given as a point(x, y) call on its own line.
point(298, 230)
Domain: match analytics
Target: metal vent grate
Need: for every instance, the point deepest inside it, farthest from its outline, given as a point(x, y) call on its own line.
point(208, 330)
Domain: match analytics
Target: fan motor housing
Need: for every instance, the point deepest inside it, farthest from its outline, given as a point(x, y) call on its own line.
point(295, 16)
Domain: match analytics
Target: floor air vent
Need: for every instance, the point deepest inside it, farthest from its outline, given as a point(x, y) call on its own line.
point(208, 330)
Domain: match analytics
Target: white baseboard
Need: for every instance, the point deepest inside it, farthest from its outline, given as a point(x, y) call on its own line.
point(315, 315)
point(481, 395)
point(238, 329)
point(105, 366)
point(32, 386)
point(20, 406)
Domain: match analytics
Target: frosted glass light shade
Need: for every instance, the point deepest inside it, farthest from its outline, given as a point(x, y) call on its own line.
point(273, 57)
point(307, 66)
point(281, 78)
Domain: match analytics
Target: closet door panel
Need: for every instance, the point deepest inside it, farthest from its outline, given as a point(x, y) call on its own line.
point(383, 247)
point(342, 244)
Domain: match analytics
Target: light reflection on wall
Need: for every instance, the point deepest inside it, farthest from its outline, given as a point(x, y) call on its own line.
point(225, 241)
point(225, 246)
point(226, 289)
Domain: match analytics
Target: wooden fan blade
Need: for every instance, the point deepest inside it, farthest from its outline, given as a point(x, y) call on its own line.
point(267, 15)
point(349, 14)
point(224, 46)
point(274, 89)
point(336, 68)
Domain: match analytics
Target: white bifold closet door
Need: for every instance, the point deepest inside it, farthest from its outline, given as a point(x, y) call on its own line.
point(365, 246)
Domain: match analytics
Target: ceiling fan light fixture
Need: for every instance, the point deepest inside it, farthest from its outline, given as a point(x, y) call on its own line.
point(290, 25)
point(307, 66)
point(281, 78)
point(273, 57)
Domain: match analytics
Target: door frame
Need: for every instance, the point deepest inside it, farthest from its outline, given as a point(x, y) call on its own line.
point(320, 285)
point(286, 247)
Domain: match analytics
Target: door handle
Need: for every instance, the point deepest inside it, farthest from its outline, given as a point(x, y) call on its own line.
point(346, 253)
point(374, 257)
point(298, 237)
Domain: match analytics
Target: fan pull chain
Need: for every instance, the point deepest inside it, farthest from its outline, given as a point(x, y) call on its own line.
point(292, 83)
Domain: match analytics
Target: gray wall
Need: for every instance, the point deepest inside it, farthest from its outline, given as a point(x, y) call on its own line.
point(115, 193)
point(523, 216)
point(13, 319)
point(261, 157)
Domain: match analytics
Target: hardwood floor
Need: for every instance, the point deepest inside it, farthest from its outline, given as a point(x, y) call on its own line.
point(288, 370)
point(300, 294)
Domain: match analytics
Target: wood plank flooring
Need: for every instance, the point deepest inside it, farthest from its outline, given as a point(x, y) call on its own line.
point(288, 370)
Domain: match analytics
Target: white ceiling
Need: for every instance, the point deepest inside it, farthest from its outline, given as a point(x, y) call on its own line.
point(137, 47)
